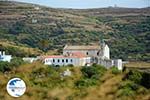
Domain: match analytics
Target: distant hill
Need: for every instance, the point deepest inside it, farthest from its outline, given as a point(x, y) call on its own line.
point(126, 30)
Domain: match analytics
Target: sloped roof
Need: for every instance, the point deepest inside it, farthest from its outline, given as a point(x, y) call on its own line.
point(96, 47)
point(71, 55)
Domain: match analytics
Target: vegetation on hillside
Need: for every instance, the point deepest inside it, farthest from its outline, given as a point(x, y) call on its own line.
point(127, 31)
point(24, 30)
point(85, 83)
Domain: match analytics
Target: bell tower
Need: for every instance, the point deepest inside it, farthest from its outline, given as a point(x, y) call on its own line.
point(104, 52)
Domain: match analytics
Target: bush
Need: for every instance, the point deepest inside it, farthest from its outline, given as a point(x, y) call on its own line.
point(128, 88)
point(115, 70)
point(141, 78)
point(126, 92)
point(95, 71)
point(89, 72)
point(85, 82)
point(135, 76)
point(91, 76)
point(17, 61)
point(129, 84)
point(6, 66)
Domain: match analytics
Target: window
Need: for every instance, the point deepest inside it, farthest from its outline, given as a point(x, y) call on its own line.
point(66, 60)
point(71, 60)
point(87, 53)
point(62, 60)
point(97, 53)
point(58, 60)
point(53, 60)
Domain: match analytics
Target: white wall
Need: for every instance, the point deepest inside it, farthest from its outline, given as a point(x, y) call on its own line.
point(74, 62)
point(5, 58)
point(118, 64)
point(106, 52)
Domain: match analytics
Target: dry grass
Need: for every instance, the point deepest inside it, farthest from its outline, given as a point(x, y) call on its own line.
point(107, 90)
point(138, 64)
point(6, 43)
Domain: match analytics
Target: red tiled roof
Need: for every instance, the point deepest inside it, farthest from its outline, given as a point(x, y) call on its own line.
point(78, 54)
point(71, 55)
point(96, 47)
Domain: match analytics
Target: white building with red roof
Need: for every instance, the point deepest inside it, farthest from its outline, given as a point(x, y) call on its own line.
point(84, 55)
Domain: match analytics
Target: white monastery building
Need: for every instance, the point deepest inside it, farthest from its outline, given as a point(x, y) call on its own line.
point(4, 57)
point(84, 55)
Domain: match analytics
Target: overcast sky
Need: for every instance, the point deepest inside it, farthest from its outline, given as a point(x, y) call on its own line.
point(90, 3)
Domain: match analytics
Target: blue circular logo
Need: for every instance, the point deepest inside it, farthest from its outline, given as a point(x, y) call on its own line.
point(16, 87)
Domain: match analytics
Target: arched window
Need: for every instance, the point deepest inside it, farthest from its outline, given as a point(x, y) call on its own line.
point(87, 53)
point(66, 60)
point(53, 60)
point(97, 53)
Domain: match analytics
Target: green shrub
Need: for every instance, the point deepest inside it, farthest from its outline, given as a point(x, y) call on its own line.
point(85, 82)
point(126, 92)
point(115, 70)
point(95, 71)
point(128, 88)
point(89, 72)
point(91, 76)
point(7, 66)
point(17, 61)
point(135, 76)
point(129, 84)
point(4, 66)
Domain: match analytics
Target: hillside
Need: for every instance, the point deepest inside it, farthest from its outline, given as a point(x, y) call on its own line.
point(126, 30)
point(85, 83)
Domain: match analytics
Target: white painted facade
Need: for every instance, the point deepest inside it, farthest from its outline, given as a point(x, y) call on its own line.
point(4, 57)
point(106, 52)
point(110, 63)
point(64, 60)
point(118, 64)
